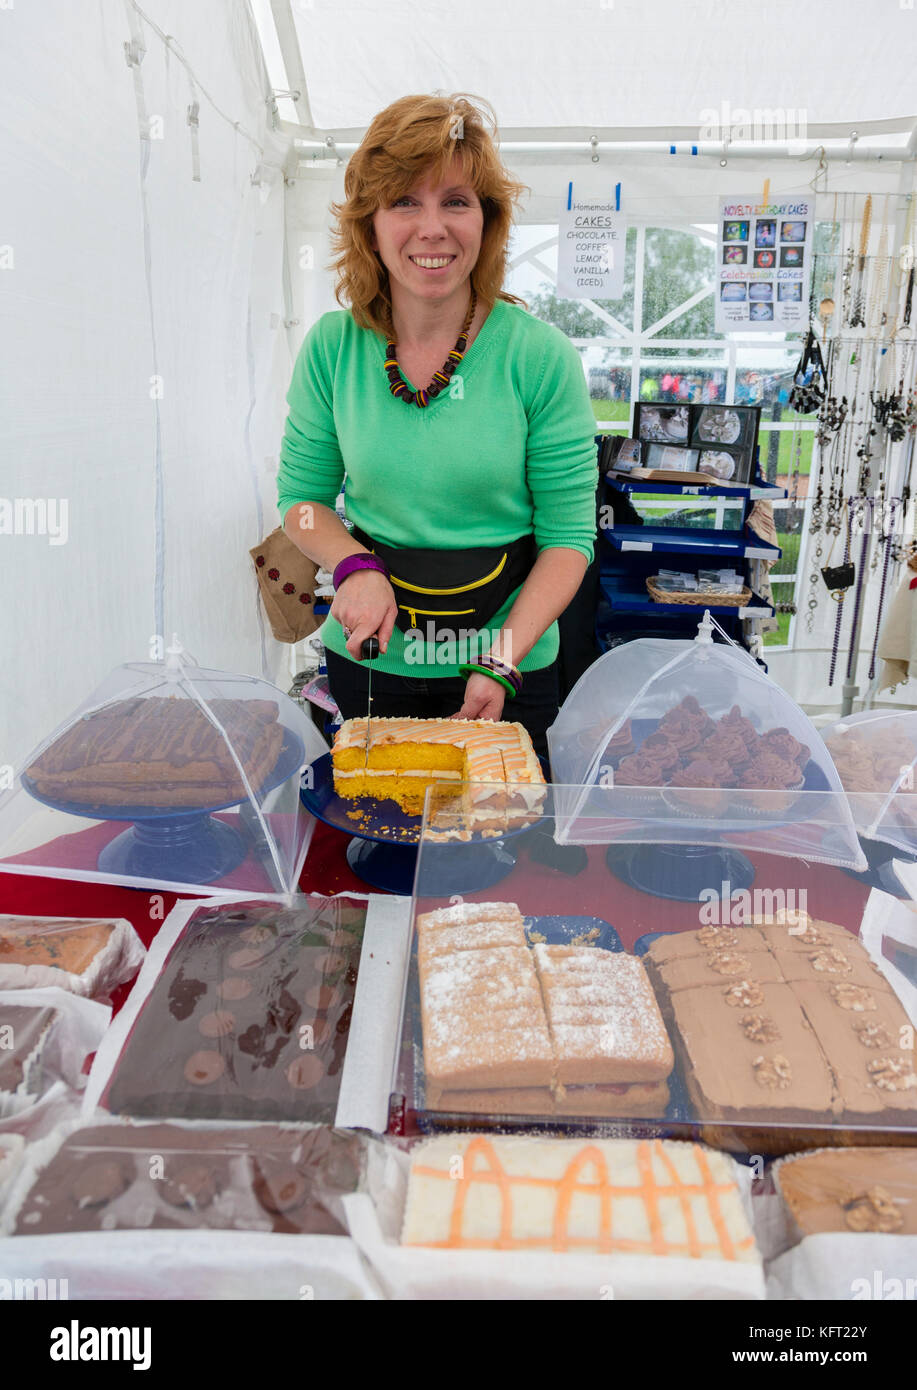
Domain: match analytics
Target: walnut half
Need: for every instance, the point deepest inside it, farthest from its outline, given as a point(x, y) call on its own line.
point(892, 1073)
point(760, 1028)
point(728, 962)
point(773, 1073)
point(718, 938)
point(873, 1210)
point(853, 997)
point(872, 1034)
point(744, 994)
point(830, 962)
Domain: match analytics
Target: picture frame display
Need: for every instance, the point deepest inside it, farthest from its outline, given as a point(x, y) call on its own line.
point(721, 440)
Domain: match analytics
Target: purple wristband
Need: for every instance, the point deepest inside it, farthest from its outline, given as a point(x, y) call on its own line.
point(351, 563)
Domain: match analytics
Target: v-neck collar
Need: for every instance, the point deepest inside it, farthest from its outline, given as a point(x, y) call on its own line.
point(470, 359)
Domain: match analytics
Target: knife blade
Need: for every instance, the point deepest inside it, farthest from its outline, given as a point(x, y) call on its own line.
point(369, 650)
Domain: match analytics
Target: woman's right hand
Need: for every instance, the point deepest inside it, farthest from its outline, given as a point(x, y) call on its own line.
point(365, 605)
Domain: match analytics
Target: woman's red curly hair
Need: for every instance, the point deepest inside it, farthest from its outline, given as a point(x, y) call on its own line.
point(415, 136)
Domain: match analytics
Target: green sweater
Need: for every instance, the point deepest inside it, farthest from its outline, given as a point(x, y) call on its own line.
point(508, 449)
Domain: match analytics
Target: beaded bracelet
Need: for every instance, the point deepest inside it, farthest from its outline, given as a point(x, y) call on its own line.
point(467, 668)
point(502, 668)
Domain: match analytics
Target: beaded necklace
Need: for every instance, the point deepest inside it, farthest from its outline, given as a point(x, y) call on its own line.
point(399, 387)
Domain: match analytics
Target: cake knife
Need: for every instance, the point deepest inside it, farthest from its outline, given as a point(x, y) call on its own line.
point(369, 650)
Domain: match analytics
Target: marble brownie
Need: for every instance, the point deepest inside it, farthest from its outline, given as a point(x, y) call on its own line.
point(163, 1176)
point(249, 1019)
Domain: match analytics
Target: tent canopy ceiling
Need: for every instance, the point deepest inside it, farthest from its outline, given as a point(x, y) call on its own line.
point(598, 65)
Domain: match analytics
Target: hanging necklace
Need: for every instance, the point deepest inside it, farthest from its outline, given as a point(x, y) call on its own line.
point(399, 387)
point(885, 568)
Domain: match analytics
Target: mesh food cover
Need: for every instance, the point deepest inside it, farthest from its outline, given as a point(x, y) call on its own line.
point(876, 758)
point(690, 742)
point(168, 776)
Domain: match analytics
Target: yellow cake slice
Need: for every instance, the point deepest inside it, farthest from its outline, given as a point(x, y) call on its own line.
point(493, 762)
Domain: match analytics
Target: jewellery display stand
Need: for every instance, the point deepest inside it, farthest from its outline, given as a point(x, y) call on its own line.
point(384, 840)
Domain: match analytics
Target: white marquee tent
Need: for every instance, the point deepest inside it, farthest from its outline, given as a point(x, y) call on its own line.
point(163, 166)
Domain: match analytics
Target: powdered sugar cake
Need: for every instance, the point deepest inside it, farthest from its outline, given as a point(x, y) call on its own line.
point(551, 1030)
point(493, 761)
point(483, 1022)
point(608, 1196)
point(468, 926)
point(603, 1016)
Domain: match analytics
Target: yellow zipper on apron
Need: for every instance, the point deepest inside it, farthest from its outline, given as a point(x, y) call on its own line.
point(434, 612)
point(459, 589)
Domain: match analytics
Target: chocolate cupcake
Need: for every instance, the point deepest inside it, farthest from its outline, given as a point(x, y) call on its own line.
point(782, 742)
point(662, 750)
point(768, 773)
point(639, 770)
point(621, 742)
point(697, 789)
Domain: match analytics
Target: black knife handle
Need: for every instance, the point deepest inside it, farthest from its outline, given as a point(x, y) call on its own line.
point(369, 649)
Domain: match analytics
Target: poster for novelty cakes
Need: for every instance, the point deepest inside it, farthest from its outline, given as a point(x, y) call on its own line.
point(764, 264)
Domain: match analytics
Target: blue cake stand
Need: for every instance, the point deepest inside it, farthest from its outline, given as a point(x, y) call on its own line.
point(881, 871)
point(181, 846)
point(385, 840)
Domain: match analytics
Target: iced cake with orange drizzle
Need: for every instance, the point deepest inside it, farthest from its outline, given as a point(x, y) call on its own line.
point(492, 761)
point(577, 1196)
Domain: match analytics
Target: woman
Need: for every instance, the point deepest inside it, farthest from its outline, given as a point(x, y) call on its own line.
point(463, 426)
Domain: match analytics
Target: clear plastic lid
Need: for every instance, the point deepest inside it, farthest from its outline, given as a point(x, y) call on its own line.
point(170, 776)
point(875, 755)
point(691, 741)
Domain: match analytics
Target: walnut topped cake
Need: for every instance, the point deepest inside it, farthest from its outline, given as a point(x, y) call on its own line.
point(161, 751)
point(408, 755)
point(869, 1189)
point(786, 1020)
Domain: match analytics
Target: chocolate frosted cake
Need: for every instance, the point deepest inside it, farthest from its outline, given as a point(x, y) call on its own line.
point(161, 751)
point(161, 1176)
point(786, 1022)
point(249, 1018)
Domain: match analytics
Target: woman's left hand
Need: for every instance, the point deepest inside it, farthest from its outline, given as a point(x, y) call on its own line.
point(483, 698)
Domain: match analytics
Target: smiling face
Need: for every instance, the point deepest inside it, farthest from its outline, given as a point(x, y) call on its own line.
point(429, 239)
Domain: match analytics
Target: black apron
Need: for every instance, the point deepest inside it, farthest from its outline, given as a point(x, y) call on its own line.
point(469, 585)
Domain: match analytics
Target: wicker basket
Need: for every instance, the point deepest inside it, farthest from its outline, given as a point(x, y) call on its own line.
point(698, 596)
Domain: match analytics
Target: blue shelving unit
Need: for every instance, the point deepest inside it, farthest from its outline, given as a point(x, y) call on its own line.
point(629, 553)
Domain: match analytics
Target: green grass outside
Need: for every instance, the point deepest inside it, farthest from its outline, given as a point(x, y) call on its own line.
point(781, 637)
